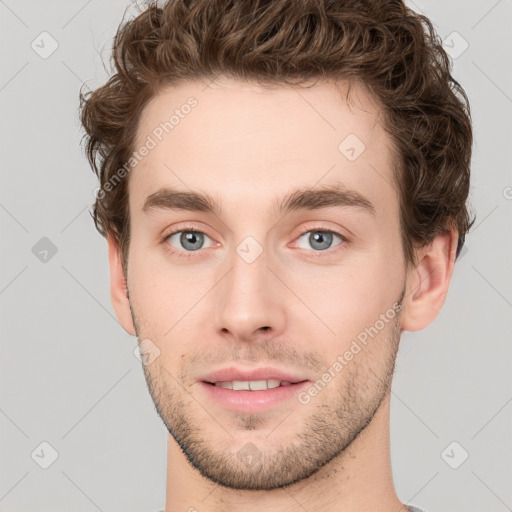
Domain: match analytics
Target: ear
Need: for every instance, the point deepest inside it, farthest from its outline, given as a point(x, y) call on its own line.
point(118, 290)
point(428, 282)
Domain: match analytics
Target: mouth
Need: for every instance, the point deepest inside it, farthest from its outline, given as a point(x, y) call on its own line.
point(252, 390)
point(253, 396)
point(252, 379)
point(253, 385)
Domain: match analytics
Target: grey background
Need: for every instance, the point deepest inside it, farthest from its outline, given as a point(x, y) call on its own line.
point(68, 373)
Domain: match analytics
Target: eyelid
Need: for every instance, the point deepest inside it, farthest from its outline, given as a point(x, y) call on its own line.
point(323, 229)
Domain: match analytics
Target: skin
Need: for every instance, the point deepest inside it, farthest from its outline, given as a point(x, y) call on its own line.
point(296, 307)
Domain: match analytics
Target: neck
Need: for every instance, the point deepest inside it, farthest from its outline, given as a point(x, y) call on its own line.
point(358, 479)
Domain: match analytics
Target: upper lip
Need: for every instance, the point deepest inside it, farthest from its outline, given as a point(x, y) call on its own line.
point(230, 374)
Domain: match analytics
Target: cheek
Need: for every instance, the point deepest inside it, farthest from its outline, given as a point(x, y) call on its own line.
point(167, 300)
point(151, 296)
point(349, 301)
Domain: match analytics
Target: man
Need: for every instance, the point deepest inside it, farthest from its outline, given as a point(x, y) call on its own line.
point(283, 192)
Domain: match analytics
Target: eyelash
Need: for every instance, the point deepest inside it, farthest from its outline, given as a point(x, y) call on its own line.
point(190, 254)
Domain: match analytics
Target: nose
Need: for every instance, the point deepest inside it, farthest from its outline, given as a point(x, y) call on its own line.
point(250, 300)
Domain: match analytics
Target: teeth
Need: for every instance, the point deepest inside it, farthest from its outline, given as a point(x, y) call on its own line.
point(251, 385)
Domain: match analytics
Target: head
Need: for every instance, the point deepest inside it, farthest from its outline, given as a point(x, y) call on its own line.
point(281, 184)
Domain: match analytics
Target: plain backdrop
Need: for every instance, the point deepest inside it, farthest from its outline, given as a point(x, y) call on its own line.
point(73, 395)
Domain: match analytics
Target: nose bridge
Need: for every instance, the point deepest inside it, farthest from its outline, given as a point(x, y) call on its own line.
point(248, 298)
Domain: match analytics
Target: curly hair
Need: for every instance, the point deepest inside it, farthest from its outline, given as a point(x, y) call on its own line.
point(384, 45)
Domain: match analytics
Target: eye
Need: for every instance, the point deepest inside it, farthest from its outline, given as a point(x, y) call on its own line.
point(188, 240)
point(321, 239)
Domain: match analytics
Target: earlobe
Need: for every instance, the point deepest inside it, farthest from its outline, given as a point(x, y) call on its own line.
point(118, 289)
point(428, 282)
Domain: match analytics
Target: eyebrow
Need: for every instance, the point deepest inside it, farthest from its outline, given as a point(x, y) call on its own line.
point(299, 199)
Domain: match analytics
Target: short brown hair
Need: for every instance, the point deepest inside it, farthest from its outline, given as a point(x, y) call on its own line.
point(384, 45)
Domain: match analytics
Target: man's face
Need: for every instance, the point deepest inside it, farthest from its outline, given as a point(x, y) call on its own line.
point(253, 286)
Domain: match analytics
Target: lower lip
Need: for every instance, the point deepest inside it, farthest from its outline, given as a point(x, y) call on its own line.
point(252, 401)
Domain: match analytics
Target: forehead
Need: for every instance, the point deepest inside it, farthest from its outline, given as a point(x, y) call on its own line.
point(242, 141)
